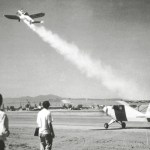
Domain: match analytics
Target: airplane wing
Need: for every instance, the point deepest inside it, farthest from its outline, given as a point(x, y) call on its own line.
point(37, 15)
point(12, 17)
point(123, 103)
point(137, 102)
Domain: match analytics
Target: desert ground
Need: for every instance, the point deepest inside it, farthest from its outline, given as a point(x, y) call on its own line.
point(77, 130)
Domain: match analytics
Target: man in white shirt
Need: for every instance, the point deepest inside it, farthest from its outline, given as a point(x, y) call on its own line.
point(44, 121)
point(4, 126)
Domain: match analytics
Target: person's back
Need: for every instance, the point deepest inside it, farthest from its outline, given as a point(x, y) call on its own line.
point(46, 133)
point(43, 120)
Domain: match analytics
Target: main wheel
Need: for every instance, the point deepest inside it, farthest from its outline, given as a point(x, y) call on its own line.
point(123, 125)
point(106, 125)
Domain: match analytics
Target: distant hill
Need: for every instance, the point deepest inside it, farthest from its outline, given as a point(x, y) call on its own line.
point(54, 100)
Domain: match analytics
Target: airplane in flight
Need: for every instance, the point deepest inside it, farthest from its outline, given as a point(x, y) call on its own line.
point(21, 15)
point(124, 112)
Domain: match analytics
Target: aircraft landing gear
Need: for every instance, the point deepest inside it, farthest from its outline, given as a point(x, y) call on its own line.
point(123, 124)
point(106, 125)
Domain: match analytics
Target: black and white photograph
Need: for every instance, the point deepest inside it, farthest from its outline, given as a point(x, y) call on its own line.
point(74, 74)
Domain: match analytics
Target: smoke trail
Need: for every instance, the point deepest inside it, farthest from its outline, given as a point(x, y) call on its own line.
point(86, 65)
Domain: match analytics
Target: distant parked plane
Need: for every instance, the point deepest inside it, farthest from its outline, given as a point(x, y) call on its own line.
point(124, 112)
point(21, 15)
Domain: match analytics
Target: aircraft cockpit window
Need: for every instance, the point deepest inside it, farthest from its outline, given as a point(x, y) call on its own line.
point(26, 13)
point(118, 107)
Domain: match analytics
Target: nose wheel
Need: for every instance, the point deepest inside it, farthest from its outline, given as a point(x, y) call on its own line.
point(106, 125)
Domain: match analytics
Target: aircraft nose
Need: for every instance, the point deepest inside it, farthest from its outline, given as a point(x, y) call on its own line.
point(105, 109)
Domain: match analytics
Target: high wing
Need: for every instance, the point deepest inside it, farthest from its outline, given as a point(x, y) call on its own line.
point(123, 102)
point(12, 17)
point(37, 15)
point(137, 102)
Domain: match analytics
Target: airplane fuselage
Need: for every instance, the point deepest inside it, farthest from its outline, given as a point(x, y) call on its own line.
point(125, 113)
point(24, 16)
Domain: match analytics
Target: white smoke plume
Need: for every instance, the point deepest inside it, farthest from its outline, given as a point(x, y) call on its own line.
point(88, 66)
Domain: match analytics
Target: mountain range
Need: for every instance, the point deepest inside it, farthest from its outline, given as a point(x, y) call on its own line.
point(22, 101)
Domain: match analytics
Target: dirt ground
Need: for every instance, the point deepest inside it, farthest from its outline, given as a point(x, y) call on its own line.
point(78, 130)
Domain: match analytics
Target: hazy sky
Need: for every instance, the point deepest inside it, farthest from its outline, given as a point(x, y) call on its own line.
point(115, 33)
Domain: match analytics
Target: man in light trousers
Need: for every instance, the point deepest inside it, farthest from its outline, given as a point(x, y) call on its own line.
point(44, 121)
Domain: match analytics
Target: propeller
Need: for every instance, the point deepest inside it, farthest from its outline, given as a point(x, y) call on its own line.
point(105, 109)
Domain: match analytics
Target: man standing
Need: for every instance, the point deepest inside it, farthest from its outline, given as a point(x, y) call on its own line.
point(4, 126)
point(44, 121)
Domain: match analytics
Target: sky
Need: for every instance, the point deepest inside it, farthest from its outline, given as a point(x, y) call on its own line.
point(111, 39)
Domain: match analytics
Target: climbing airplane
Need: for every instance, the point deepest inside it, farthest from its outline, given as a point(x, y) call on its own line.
point(21, 15)
point(124, 112)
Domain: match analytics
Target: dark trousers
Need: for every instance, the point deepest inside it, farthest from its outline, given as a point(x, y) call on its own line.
point(46, 141)
point(2, 145)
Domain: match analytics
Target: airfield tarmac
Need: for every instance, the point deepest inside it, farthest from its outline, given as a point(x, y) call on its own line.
point(78, 130)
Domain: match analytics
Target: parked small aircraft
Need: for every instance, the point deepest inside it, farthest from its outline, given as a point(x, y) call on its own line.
point(124, 112)
point(21, 15)
point(119, 110)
